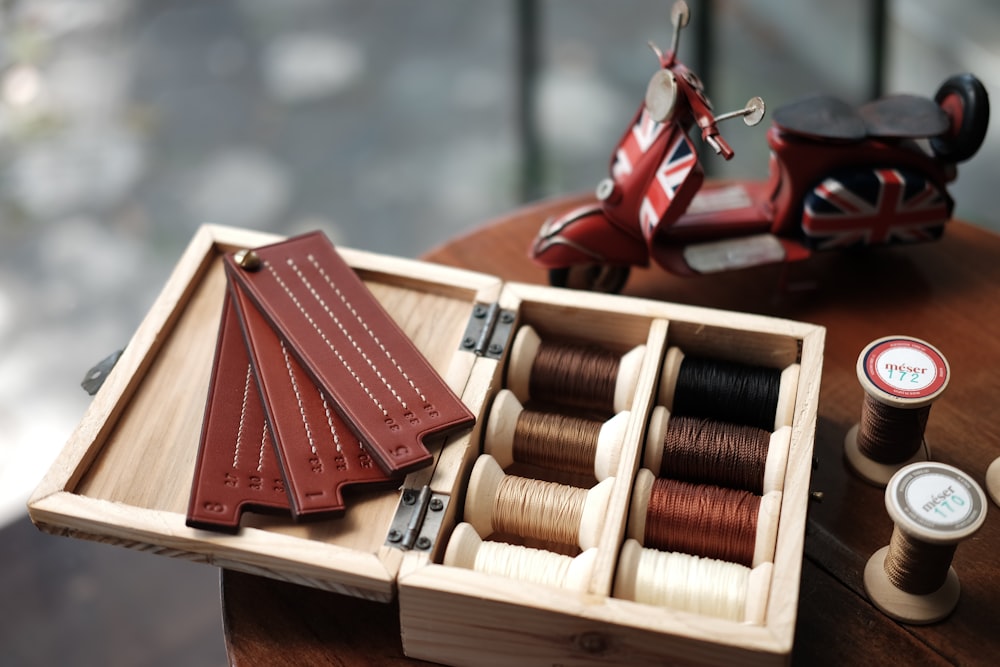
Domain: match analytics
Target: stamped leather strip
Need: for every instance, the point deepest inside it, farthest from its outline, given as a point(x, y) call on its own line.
point(236, 468)
point(380, 382)
point(319, 455)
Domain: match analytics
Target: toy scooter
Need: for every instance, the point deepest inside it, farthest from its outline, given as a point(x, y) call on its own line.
point(840, 177)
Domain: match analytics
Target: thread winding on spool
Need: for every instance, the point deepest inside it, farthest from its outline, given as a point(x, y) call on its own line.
point(552, 440)
point(901, 377)
point(466, 549)
point(691, 583)
point(933, 507)
point(706, 451)
point(577, 375)
point(728, 391)
point(531, 508)
point(704, 520)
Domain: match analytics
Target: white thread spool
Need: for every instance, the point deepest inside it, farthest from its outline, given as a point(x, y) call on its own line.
point(689, 583)
point(525, 349)
point(774, 464)
point(484, 488)
point(788, 386)
point(467, 550)
point(767, 517)
point(903, 373)
point(502, 424)
point(931, 503)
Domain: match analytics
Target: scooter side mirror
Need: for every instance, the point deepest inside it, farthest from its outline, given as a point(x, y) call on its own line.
point(680, 14)
point(752, 112)
point(661, 95)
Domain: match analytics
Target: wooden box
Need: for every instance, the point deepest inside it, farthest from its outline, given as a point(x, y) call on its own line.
point(125, 474)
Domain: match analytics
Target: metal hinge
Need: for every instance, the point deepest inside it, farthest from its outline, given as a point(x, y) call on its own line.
point(488, 331)
point(418, 519)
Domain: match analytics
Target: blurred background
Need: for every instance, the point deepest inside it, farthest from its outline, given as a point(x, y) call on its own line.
point(392, 126)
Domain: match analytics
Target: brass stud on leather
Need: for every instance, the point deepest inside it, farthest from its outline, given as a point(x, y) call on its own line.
point(248, 260)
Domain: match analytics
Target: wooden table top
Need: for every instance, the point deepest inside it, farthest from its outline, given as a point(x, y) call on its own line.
point(942, 292)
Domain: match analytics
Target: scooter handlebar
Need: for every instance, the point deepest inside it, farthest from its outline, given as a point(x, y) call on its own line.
point(719, 145)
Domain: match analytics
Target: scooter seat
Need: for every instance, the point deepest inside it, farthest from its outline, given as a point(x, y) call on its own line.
point(821, 117)
point(904, 117)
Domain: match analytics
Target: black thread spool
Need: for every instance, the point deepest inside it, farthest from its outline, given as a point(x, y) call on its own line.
point(933, 507)
point(728, 391)
point(901, 376)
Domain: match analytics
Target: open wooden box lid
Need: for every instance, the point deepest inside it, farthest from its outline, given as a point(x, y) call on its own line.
point(125, 475)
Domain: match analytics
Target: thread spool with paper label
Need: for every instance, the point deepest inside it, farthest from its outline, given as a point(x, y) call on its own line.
point(901, 377)
point(933, 507)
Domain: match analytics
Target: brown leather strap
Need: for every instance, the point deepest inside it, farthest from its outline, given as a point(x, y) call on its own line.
point(318, 453)
point(236, 468)
point(351, 348)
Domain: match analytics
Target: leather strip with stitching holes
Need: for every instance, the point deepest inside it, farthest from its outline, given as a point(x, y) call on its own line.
point(379, 381)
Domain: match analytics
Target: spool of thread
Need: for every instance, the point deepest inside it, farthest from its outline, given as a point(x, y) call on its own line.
point(689, 583)
point(704, 520)
point(901, 377)
point(532, 508)
point(553, 440)
point(466, 549)
point(575, 375)
point(933, 507)
point(705, 451)
point(728, 391)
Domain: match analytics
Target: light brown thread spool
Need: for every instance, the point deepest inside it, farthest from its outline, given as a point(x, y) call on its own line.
point(553, 441)
point(530, 508)
point(716, 455)
point(901, 377)
point(692, 533)
point(933, 507)
point(572, 374)
point(788, 381)
point(694, 584)
point(467, 550)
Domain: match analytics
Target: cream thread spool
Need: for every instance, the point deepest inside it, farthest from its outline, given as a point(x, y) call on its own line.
point(767, 517)
point(525, 349)
point(934, 506)
point(786, 392)
point(693, 584)
point(486, 489)
point(466, 549)
point(774, 465)
point(900, 373)
point(502, 424)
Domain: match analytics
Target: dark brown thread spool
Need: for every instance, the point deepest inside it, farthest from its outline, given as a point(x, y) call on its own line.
point(933, 507)
point(901, 377)
point(553, 440)
point(536, 509)
point(570, 374)
point(728, 391)
point(704, 520)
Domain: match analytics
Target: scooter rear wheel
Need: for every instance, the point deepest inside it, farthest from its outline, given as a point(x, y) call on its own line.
point(965, 100)
point(604, 278)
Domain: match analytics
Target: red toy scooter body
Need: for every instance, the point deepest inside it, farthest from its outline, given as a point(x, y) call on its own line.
point(839, 177)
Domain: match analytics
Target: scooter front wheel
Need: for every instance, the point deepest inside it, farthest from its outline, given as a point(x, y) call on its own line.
point(604, 278)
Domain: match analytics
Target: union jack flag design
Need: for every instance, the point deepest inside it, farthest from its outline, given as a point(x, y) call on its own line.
point(670, 176)
point(635, 144)
point(873, 207)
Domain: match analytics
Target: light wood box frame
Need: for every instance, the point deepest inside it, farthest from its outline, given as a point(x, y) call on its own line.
point(124, 475)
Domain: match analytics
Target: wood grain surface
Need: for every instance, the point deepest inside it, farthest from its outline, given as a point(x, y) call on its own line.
point(942, 292)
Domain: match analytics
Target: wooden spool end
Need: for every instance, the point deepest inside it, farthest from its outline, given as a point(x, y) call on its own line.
point(501, 424)
point(787, 391)
point(595, 509)
point(522, 356)
point(463, 547)
point(993, 480)
point(641, 490)
point(767, 528)
point(484, 485)
point(610, 442)
point(777, 459)
point(656, 431)
point(933, 503)
point(628, 377)
point(668, 376)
